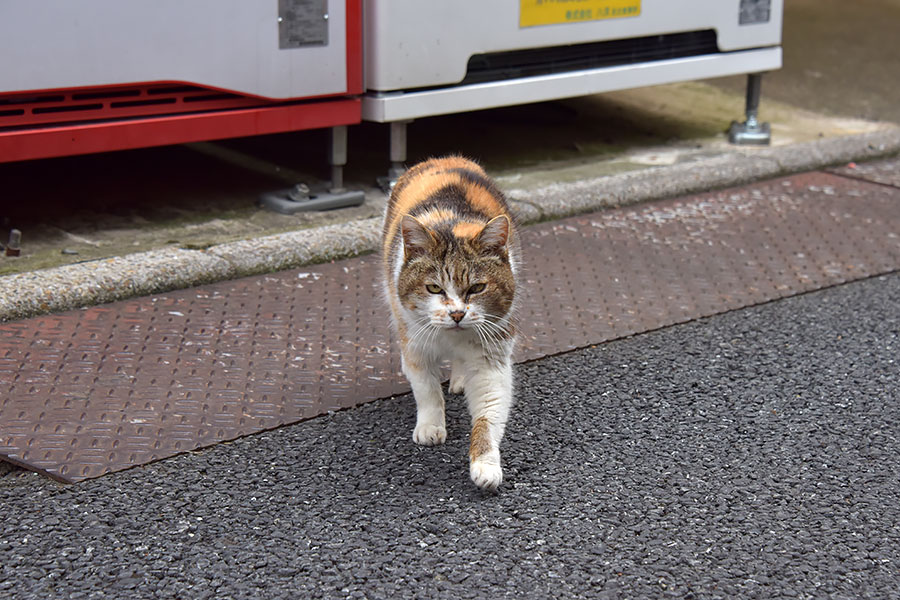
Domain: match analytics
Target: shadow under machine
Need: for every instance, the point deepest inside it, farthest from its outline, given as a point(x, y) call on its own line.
point(101, 75)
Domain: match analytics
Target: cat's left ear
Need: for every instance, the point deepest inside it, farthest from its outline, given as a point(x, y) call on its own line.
point(495, 234)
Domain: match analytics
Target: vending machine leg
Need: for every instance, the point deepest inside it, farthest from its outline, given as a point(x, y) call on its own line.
point(751, 131)
point(398, 155)
point(302, 198)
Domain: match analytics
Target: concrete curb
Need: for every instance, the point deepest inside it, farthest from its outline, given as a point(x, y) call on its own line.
point(72, 286)
point(740, 167)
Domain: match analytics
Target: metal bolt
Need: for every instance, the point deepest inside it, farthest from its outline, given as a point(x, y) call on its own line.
point(13, 247)
point(299, 193)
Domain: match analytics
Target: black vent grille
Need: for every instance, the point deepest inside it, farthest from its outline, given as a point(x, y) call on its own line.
point(560, 59)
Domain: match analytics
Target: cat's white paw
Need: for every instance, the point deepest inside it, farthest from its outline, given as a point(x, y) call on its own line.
point(429, 435)
point(456, 385)
point(486, 475)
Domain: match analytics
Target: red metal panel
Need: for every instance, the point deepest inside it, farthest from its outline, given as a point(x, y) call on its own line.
point(26, 109)
point(86, 138)
point(354, 47)
point(48, 123)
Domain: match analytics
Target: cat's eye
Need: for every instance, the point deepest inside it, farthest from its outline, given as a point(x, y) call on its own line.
point(433, 288)
point(477, 288)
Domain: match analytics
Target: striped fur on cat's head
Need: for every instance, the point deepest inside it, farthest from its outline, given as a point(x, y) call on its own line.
point(451, 250)
point(454, 280)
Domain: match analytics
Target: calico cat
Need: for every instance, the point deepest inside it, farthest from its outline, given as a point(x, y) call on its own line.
point(451, 253)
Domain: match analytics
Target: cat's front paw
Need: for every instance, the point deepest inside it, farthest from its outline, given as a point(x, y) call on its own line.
point(456, 385)
point(486, 475)
point(429, 435)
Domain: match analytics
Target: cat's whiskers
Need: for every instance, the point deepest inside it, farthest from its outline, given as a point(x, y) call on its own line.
point(494, 322)
point(494, 319)
point(423, 333)
point(491, 344)
point(486, 345)
point(501, 331)
point(497, 334)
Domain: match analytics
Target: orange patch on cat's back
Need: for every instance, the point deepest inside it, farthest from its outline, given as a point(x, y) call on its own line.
point(467, 229)
point(420, 183)
point(423, 184)
point(421, 187)
point(423, 180)
point(414, 187)
point(483, 200)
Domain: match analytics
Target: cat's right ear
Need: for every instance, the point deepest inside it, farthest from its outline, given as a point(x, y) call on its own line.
point(417, 239)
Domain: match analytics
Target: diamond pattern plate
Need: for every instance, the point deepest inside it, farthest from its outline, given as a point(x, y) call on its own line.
point(886, 172)
point(621, 272)
point(102, 389)
point(93, 391)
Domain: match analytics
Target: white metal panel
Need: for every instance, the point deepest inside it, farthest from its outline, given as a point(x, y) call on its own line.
point(401, 106)
point(226, 44)
point(421, 43)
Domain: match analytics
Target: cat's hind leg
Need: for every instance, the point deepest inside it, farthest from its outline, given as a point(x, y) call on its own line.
point(489, 395)
point(424, 377)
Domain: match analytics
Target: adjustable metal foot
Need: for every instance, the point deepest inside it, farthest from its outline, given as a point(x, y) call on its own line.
point(751, 131)
point(398, 156)
point(13, 247)
point(333, 195)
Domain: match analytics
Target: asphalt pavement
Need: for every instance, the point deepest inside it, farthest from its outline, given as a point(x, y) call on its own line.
point(747, 455)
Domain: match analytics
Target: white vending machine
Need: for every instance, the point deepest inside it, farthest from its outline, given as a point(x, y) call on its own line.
point(433, 57)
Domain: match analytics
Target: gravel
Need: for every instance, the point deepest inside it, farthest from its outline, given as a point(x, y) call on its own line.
point(749, 455)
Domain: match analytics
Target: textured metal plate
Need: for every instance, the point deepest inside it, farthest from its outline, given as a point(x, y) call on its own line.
point(886, 172)
point(621, 272)
point(103, 389)
point(92, 391)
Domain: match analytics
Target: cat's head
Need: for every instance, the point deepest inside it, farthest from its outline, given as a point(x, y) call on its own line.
point(457, 276)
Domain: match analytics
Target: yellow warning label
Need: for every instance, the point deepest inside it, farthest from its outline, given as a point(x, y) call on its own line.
point(551, 12)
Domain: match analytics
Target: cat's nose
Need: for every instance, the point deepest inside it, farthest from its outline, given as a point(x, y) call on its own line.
point(457, 315)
